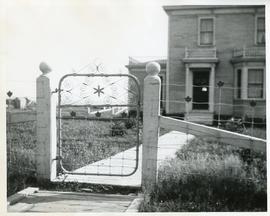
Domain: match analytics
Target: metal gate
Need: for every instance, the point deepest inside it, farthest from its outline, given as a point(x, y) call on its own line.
point(98, 124)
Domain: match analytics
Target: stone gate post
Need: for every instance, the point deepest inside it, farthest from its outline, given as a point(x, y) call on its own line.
point(151, 111)
point(46, 125)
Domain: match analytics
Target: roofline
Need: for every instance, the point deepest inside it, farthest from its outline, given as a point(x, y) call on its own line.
point(192, 7)
point(143, 65)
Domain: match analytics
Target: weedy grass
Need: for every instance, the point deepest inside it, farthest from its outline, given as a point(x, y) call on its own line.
point(21, 144)
point(83, 142)
point(209, 176)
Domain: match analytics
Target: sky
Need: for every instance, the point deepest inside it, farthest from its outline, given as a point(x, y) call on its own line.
point(68, 34)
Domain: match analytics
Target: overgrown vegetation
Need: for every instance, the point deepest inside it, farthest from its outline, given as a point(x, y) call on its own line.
point(21, 144)
point(207, 176)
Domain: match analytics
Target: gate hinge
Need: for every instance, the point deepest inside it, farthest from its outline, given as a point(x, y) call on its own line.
point(55, 91)
point(58, 157)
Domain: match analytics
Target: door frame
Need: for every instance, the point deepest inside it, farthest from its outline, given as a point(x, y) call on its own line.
point(190, 67)
point(207, 72)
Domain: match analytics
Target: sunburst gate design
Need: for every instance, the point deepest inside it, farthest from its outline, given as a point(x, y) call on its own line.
point(99, 91)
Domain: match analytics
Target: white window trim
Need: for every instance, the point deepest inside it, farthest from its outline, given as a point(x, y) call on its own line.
point(199, 31)
point(259, 68)
point(255, 29)
point(243, 86)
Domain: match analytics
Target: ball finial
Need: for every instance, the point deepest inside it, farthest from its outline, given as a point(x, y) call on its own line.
point(152, 68)
point(44, 68)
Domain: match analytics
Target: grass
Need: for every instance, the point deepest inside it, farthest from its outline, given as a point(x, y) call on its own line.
point(84, 142)
point(206, 176)
point(256, 132)
point(21, 144)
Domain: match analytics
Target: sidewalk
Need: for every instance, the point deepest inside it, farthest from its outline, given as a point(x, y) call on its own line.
point(168, 144)
point(54, 201)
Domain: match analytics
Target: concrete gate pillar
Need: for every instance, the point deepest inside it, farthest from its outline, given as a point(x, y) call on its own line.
point(46, 125)
point(151, 112)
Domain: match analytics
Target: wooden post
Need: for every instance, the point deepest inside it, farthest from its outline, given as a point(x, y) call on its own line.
point(46, 125)
point(151, 111)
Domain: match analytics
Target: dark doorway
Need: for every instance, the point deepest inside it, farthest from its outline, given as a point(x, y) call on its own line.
point(201, 90)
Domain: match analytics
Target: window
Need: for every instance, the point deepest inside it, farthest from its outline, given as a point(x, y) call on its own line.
point(260, 31)
point(206, 31)
point(255, 83)
point(239, 83)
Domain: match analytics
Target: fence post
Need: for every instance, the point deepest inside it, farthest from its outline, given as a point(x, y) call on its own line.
point(220, 84)
point(46, 125)
point(151, 111)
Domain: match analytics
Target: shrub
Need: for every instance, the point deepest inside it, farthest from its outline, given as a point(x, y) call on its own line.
point(123, 114)
point(118, 129)
point(98, 114)
point(130, 123)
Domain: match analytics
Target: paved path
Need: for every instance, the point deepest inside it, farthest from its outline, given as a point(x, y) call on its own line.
point(53, 201)
point(167, 146)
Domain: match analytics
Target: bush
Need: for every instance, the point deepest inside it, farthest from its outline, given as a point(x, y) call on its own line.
point(118, 129)
point(130, 123)
point(204, 177)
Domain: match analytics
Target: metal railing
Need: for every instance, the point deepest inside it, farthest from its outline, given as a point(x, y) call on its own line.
point(201, 53)
point(249, 52)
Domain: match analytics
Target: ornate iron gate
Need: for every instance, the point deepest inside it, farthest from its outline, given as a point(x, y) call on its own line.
point(98, 124)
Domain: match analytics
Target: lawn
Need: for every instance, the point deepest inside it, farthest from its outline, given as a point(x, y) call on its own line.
point(21, 144)
point(208, 176)
point(83, 142)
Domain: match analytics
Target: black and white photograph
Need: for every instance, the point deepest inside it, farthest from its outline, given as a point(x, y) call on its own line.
point(132, 106)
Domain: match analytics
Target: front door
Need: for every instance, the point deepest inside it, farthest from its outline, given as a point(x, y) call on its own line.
point(201, 90)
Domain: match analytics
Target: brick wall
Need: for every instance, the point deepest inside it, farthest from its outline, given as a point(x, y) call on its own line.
point(231, 31)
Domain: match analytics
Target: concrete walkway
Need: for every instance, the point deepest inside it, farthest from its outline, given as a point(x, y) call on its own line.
point(167, 146)
point(54, 201)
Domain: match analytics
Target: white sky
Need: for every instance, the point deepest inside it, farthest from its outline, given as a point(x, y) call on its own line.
point(70, 34)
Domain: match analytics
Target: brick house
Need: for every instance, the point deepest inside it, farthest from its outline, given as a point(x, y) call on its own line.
point(208, 44)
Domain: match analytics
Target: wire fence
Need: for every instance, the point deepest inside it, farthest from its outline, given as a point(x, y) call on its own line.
point(212, 152)
point(92, 143)
point(229, 108)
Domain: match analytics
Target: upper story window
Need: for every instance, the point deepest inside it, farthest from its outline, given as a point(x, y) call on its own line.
point(260, 30)
point(206, 31)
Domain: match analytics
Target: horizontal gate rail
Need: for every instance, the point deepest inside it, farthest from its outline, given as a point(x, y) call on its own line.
point(228, 137)
point(91, 118)
point(97, 106)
